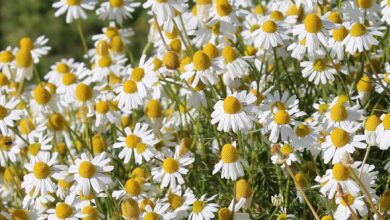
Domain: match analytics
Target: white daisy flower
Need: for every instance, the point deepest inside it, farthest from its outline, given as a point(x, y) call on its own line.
point(226, 15)
point(8, 113)
point(341, 115)
point(138, 142)
point(39, 143)
point(93, 172)
point(37, 47)
point(370, 126)
point(144, 75)
point(172, 168)
point(106, 65)
point(130, 96)
point(361, 38)
point(6, 62)
point(270, 34)
point(338, 176)
point(383, 132)
point(232, 64)
point(318, 70)
point(135, 188)
point(117, 10)
point(203, 208)
point(24, 65)
point(159, 211)
point(306, 136)
point(180, 201)
point(105, 115)
point(347, 202)
point(286, 155)
point(59, 68)
point(66, 210)
point(341, 141)
point(164, 10)
point(336, 41)
point(231, 163)
point(314, 30)
point(74, 9)
point(235, 112)
point(111, 31)
point(42, 168)
point(368, 176)
point(232, 212)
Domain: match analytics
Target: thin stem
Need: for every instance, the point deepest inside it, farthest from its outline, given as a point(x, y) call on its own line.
point(364, 160)
point(81, 33)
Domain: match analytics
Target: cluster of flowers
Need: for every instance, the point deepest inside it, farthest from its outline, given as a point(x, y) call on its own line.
point(106, 139)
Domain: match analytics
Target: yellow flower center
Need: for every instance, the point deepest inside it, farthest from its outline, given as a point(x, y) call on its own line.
point(151, 216)
point(116, 44)
point(198, 206)
point(243, 189)
point(313, 23)
point(41, 170)
point(33, 149)
point(130, 209)
point(223, 8)
point(116, 3)
point(132, 187)
point(347, 200)
point(269, 27)
point(211, 50)
point(56, 122)
point(286, 149)
point(203, 2)
point(259, 9)
point(102, 48)
point(371, 123)
point(130, 86)
point(224, 213)
point(340, 172)
point(386, 77)
point(175, 45)
point(282, 216)
point(26, 43)
point(83, 92)
point(19, 214)
point(319, 65)
point(69, 79)
point(250, 51)
point(26, 125)
point(277, 15)
point(338, 112)
point(6, 56)
point(24, 58)
point(282, 117)
point(87, 169)
point(229, 54)
point(132, 140)
point(3, 112)
point(91, 212)
point(111, 32)
point(364, 84)
point(171, 60)
point(231, 105)
point(175, 201)
point(215, 29)
point(98, 144)
point(384, 200)
point(357, 30)
point(41, 95)
point(62, 68)
point(335, 17)
point(153, 109)
point(327, 217)
point(9, 175)
point(146, 202)
point(302, 130)
point(105, 61)
point(201, 61)
point(63, 210)
point(339, 34)
point(3, 79)
point(102, 107)
point(339, 137)
point(137, 74)
point(170, 165)
point(364, 4)
point(300, 179)
point(386, 121)
point(229, 154)
point(64, 184)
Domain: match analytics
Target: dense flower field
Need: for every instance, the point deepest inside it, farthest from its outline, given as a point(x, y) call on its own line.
point(237, 109)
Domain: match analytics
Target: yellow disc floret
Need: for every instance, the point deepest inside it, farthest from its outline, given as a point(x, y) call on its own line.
point(63, 210)
point(338, 112)
point(269, 26)
point(357, 30)
point(313, 23)
point(170, 165)
point(339, 137)
point(87, 169)
point(41, 170)
point(229, 154)
point(282, 117)
point(231, 105)
point(340, 172)
point(201, 61)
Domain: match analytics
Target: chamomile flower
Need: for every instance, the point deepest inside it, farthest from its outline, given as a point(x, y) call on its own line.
point(24, 64)
point(314, 31)
point(165, 9)
point(143, 75)
point(159, 211)
point(59, 68)
point(203, 208)
point(138, 142)
point(111, 31)
point(65, 210)
point(336, 41)
point(232, 64)
point(74, 9)
point(6, 61)
point(8, 148)
point(105, 65)
point(180, 201)
point(105, 114)
point(37, 47)
point(382, 81)
point(135, 188)
point(8, 113)
point(383, 132)
point(225, 14)
point(42, 168)
point(270, 34)
point(172, 168)
point(341, 115)
point(38, 143)
point(235, 112)
point(130, 96)
point(91, 172)
point(341, 141)
point(338, 176)
point(318, 71)
point(230, 163)
point(347, 202)
point(117, 10)
point(286, 155)
point(370, 125)
point(361, 38)
point(233, 211)
point(306, 136)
